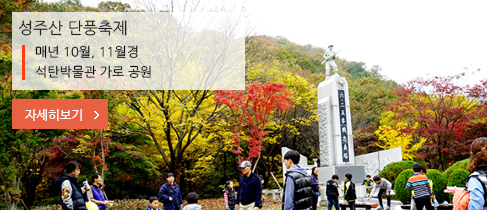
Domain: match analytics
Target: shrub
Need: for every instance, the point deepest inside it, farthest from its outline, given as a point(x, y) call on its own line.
point(129, 204)
point(403, 194)
point(463, 164)
point(46, 201)
point(439, 184)
point(391, 170)
point(49, 207)
point(457, 178)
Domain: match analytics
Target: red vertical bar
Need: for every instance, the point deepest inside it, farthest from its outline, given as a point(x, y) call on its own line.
point(23, 62)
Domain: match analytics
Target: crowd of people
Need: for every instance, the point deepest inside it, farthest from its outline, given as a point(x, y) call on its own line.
point(76, 197)
point(301, 191)
point(298, 192)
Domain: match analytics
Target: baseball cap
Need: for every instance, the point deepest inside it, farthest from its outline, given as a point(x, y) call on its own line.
point(245, 164)
point(170, 174)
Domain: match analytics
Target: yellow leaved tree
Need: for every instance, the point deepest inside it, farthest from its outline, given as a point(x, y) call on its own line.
point(397, 136)
point(175, 120)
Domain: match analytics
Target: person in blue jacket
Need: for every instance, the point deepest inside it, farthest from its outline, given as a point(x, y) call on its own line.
point(478, 174)
point(315, 186)
point(170, 194)
point(249, 190)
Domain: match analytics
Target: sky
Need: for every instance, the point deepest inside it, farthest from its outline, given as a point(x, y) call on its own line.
point(407, 39)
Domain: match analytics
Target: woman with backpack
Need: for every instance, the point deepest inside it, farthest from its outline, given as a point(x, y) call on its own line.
point(476, 181)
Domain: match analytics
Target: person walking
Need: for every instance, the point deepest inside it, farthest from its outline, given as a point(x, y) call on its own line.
point(298, 194)
point(332, 192)
point(249, 190)
point(421, 187)
point(170, 194)
point(229, 194)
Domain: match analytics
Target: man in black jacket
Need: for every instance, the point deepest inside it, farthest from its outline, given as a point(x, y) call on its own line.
point(332, 192)
point(298, 194)
point(249, 189)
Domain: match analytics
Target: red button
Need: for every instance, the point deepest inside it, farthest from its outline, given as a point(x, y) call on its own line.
point(60, 114)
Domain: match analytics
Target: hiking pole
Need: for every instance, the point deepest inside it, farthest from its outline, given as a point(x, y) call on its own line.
point(276, 180)
point(24, 204)
point(267, 202)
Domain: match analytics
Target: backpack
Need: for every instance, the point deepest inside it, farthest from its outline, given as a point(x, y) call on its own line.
point(350, 193)
point(331, 189)
point(462, 198)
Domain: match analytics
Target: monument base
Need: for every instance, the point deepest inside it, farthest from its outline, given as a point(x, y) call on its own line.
point(357, 171)
point(358, 175)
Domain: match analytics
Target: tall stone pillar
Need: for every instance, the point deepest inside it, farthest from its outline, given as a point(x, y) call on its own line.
point(335, 122)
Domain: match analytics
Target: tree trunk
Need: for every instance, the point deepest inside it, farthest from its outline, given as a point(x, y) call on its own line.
point(30, 186)
point(102, 157)
point(11, 203)
point(255, 166)
point(8, 200)
point(177, 172)
point(225, 166)
point(120, 194)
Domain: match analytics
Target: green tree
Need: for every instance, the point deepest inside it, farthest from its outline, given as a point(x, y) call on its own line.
point(19, 147)
point(368, 97)
point(112, 6)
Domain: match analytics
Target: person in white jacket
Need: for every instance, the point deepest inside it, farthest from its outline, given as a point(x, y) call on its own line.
point(384, 185)
point(192, 199)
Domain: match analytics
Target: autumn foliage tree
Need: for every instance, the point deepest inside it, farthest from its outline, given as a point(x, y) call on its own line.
point(444, 111)
point(253, 109)
point(172, 119)
point(399, 137)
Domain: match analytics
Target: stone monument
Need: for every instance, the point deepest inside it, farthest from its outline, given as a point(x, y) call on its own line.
point(335, 131)
point(335, 123)
point(376, 161)
point(336, 139)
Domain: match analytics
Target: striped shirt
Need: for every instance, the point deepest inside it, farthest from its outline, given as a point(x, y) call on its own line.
point(420, 185)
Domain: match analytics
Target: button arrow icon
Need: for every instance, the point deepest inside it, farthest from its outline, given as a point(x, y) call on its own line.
point(96, 114)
